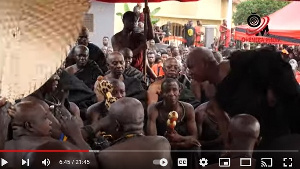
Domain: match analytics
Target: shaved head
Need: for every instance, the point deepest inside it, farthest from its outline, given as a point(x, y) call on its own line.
point(26, 111)
point(113, 55)
point(244, 125)
point(202, 64)
point(31, 118)
point(127, 111)
point(81, 49)
point(200, 54)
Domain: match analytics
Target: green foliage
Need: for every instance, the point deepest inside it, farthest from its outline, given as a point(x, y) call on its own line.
point(260, 7)
point(126, 7)
point(155, 11)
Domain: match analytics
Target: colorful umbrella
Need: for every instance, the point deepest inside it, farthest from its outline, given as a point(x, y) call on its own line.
point(35, 36)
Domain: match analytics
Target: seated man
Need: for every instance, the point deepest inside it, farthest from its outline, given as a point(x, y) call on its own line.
point(171, 69)
point(95, 53)
point(133, 86)
point(243, 134)
point(32, 128)
point(98, 110)
point(184, 137)
point(84, 69)
point(130, 71)
point(125, 122)
point(209, 133)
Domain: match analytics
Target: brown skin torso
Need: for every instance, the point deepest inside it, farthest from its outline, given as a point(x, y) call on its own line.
point(154, 91)
point(107, 160)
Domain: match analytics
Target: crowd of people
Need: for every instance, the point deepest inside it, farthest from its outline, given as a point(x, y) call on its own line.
point(112, 100)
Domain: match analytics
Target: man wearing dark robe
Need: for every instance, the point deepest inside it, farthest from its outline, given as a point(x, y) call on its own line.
point(84, 69)
point(95, 53)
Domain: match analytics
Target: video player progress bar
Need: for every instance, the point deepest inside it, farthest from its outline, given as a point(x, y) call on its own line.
point(147, 151)
point(153, 151)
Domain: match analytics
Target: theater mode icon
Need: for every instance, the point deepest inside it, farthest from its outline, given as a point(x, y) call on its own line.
point(245, 162)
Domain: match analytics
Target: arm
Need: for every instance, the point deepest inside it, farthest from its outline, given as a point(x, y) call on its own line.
point(151, 122)
point(221, 117)
point(152, 93)
point(191, 140)
point(149, 28)
point(114, 43)
point(196, 89)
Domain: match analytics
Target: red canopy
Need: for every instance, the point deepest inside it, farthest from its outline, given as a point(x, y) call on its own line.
point(136, 1)
point(284, 26)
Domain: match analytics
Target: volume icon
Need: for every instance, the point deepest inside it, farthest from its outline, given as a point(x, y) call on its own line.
point(46, 162)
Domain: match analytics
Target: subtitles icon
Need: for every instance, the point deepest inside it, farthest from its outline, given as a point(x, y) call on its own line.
point(25, 162)
point(287, 162)
point(46, 162)
point(245, 162)
point(182, 162)
point(224, 162)
point(266, 162)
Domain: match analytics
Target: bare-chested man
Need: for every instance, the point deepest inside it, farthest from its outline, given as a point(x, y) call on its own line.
point(131, 148)
point(127, 38)
point(244, 84)
point(85, 69)
point(243, 134)
point(32, 128)
point(171, 69)
point(95, 53)
point(99, 110)
point(185, 134)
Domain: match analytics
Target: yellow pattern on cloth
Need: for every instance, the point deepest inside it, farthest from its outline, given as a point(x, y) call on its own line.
point(190, 32)
point(105, 88)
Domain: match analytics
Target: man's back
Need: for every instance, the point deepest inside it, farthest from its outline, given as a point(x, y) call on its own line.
point(138, 152)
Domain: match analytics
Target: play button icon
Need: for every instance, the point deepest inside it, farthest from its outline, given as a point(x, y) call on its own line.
point(163, 162)
point(3, 162)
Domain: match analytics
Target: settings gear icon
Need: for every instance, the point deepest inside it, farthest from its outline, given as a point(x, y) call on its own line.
point(203, 162)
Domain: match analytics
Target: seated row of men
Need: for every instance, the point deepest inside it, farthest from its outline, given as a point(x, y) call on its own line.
point(34, 123)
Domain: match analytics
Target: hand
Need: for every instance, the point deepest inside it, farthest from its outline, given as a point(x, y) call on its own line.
point(173, 136)
point(70, 127)
point(146, 10)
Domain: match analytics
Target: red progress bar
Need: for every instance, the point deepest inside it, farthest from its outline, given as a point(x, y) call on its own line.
point(41, 151)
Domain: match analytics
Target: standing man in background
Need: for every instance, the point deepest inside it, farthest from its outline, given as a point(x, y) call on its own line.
point(189, 34)
point(198, 34)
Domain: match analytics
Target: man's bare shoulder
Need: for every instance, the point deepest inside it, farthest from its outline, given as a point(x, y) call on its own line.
point(187, 106)
point(117, 35)
point(71, 69)
point(202, 107)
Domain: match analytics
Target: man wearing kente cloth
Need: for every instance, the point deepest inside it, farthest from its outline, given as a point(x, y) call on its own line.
point(257, 82)
point(184, 136)
point(85, 69)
